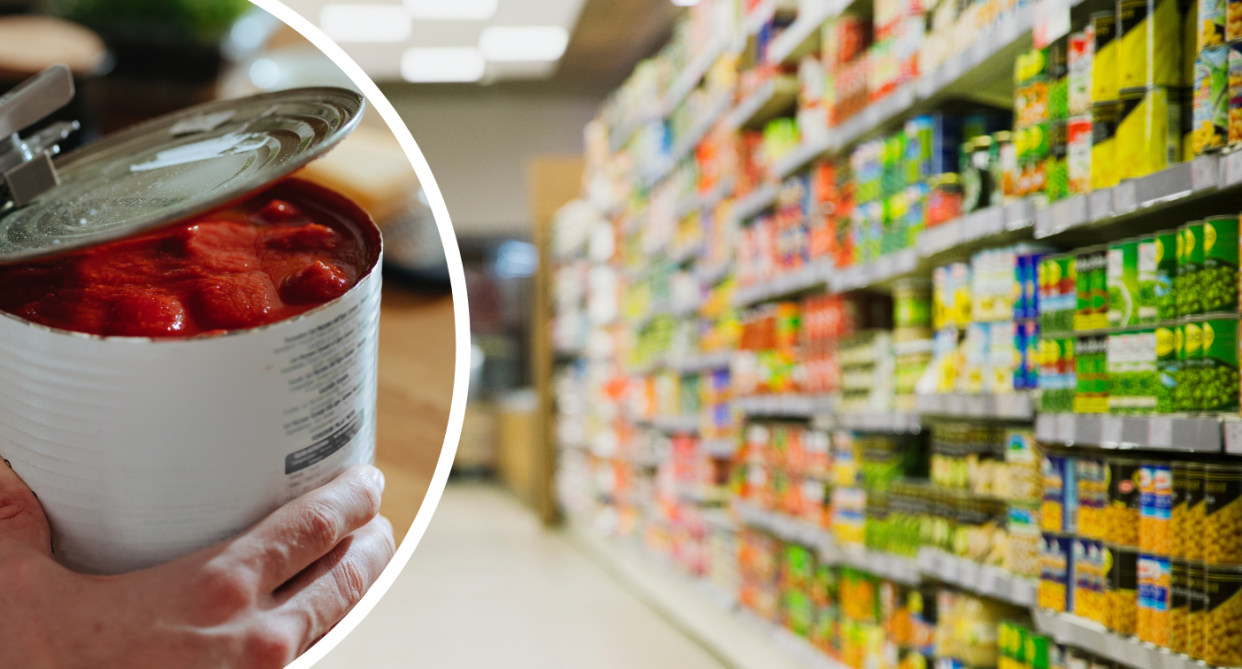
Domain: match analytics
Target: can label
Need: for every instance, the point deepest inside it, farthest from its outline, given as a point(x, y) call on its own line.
point(1056, 564)
point(1233, 21)
point(1179, 599)
point(1092, 497)
point(1059, 511)
point(1123, 290)
point(1155, 507)
point(1218, 278)
point(1168, 369)
point(1123, 502)
point(1211, 99)
point(1222, 645)
point(1177, 517)
point(1189, 265)
point(1081, 60)
point(1157, 269)
point(1212, 369)
point(1122, 584)
point(1149, 44)
point(1222, 493)
point(1089, 572)
point(1104, 118)
point(1149, 136)
point(1104, 65)
point(1155, 583)
point(1078, 154)
point(1196, 510)
point(1058, 376)
point(1091, 359)
point(1196, 609)
point(1211, 24)
point(1235, 86)
point(1131, 360)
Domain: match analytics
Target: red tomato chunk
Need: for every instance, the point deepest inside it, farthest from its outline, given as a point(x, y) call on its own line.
point(256, 264)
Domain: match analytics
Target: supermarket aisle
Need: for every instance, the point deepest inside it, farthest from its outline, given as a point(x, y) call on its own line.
point(488, 588)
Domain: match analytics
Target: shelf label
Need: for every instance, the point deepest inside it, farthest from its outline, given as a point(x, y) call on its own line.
point(1160, 432)
point(1101, 204)
point(1125, 198)
point(1233, 169)
point(1205, 172)
point(1233, 437)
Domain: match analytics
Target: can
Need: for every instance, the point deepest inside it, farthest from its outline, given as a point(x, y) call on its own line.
point(1222, 494)
point(1056, 167)
point(1168, 369)
point(1155, 582)
point(1148, 135)
point(1092, 478)
point(1211, 99)
point(1211, 24)
point(1079, 137)
point(1124, 502)
point(1122, 281)
point(1196, 608)
point(1179, 605)
point(1058, 79)
point(1089, 570)
point(1081, 60)
point(1183, 399)
point(1059, 301)
point(1132, 359)
point(1189, 263)
point(1092, 289)
point(1211, 368)
point(1234, 81)
point(1149, 43)
point(1181, 507)
point(1104, 171)
point(1156, 271)
point(1233, 21)
point(1155, 506)
point(1222, 645)
point(1196, 512)
point(1218, 279)
point(1091, 360)
point(1058, 374)
point(1121, 564)
point(1059, 511)
point(1056, 568)
point(1104, 84)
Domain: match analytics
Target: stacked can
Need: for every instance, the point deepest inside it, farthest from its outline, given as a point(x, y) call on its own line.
point(1105, 101)
point(1213, 94)
point(1081, 51)
point(1041, 106)
point(1151, 84)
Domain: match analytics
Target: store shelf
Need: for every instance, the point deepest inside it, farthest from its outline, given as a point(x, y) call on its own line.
point(980, 579)
point(688, 143)
point(788, 406)
point(897, 422)
point(713, 274)
point(802, 36)
point(1167, 433)
point(1016, 406)
point(672, 424)
point(754, 203)
point(776, 96)
point(884, 268)
point(695, 70)
point(1083, 633)
point(975, 227)
point(719, 449)
point(812, 276)
point(700, 362)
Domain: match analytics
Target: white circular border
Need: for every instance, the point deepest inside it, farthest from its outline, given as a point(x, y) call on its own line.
point(461, 316)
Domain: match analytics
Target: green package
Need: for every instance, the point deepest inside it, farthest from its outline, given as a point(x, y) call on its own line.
point(1212, 362)
point(1218, 278)
point(1157, 268)
point(1168, 368)
point(1123, 284)
point(1190, 263)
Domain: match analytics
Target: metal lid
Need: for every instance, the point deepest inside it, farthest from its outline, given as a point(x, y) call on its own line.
point(176, 166)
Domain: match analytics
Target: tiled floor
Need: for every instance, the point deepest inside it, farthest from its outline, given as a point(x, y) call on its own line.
point(489, 589)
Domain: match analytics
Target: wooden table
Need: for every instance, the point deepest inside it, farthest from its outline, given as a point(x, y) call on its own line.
point(417, 350)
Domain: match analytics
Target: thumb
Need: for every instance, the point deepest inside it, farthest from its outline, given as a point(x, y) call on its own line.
point(22, 521)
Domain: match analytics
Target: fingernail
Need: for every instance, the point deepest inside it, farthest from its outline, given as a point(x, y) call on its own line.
point(379, 477)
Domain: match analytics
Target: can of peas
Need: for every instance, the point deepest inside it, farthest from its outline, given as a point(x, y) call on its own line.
point(1222, 644)
point(1189, 264)
point(1182, 399)
point(1222, 531)
point(1196, 606)
point(1091, 289)
point(1217, 280)
point(1179, 600)
point(1157, 266)
point(1091, 360)
point(1168, 368)
point(1155, 581)
point(1122, 283)
point(1196, 511)
point(1155, 506)
point(1211, 369)
point(1121, 601)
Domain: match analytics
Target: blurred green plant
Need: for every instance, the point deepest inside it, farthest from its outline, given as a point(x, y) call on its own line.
point(201, 20)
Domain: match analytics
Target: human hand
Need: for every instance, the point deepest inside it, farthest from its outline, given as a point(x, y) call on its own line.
point(253, 602)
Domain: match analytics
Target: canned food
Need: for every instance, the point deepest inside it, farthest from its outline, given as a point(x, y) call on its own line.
point(1091, 361)
point(1132, 375)
point(1056, 167)
point(1233, 20)
point(1058, 300)
point(1222, 494)
point(1092, 497)
point(1211, 99)
point(1155, 506)
point(1189, 264)
point(1211, 23)
point(1122, 281)
point(1124, 501)
point(1156, 271)
point(1059, 511)
point(1089, 570)
point(1121, 563)
point(1235, 90)
point(1177, 515)
point(1058, 375)
point(1104, 171)
point(1078, 154)
point(1196, 608)
point(1149, 43)
point(1092, 289)
point(1056, 562)
point(1168, 369)
point(1148, 135)
point(1217, 281)
point(1081, 58)
point(1104, 85)
point(1211, 368)
point(1058, 79)
point(1179, 600)
point(1222, 645)
point(1155, 582)
point(1196, 514)
point(1183, 397)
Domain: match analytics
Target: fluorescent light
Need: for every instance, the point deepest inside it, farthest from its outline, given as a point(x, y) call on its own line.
point(442, 65)
point(366, 23)
point(523, 43)
point(451, 10)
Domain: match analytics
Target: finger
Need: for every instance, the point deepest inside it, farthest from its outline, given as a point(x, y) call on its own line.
point(321, 596)
point(22, 521)
point(306, 529)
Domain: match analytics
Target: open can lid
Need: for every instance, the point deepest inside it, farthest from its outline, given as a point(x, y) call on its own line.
point(175, 166)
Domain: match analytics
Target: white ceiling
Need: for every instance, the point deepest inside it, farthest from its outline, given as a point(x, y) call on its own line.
point(383, 61)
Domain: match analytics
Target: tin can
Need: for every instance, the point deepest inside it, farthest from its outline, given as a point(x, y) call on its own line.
point(1189, 263)
point(1105, 173)
point(1132, 359)
point(1058, 374)
point(1058, 79)
point(1168, 369)
point(1155, 506)
point(1122, 281)
point(1233, 21)
point(1121, 564)
point(1104, 84)
point(1059, 301)
point(1155, 583)
point(1056, 562)
point(1211, 99)
point(1124, 502)
point(1157, 269)
point(1179, 605)
point(1092, 289)
point(1091, 360)
point(1092, 478)
point(1059, 511)
point(1196, 512)
point(1218, 280)
point(1196, 608)
point(1149, 43)
point(1211, 368)
point(1089, 570)
point(1079, 137)
point(1183, 395)
point(1222, 645)
point(1081, 60)
point(1181, 507)
point(1148, 135)
point(1235, 89)
point(1211, 23)
point(1222, 493)
point(1056, 169)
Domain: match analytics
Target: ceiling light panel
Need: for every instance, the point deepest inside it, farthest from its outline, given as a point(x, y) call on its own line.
point(509, 44)
point(451, 10)
point(442, 65)
point(366, 23)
